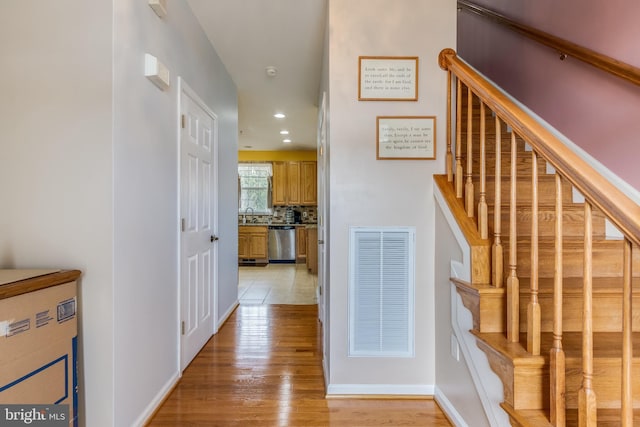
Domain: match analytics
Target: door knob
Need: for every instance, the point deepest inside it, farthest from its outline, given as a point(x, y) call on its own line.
point(321, 242)
point(214, 238)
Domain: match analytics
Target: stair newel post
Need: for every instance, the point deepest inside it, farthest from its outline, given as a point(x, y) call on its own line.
point(449, 159)
point(468, 188)
point(513, 283)
point(627, 347)
point(496, 249)
point(587, 410)
point(557, 356)
point(533, 309)
point(483, 212)
point(459, 169)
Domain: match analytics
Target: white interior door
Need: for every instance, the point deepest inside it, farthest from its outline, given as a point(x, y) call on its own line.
point(323, 188)
point(198, 206)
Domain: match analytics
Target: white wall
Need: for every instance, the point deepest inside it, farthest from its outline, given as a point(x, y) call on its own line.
point(366, 191)
point(56, 164)
point(457, 393)
point(146, 195)
point(88, 180)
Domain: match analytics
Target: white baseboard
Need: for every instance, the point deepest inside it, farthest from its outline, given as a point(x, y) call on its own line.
point(225, 316)
point(150, 410)
point(325, 373)
point(380, 389)
point(449, 409)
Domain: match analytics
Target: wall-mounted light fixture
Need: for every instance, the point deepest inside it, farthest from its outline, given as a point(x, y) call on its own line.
point(159, 7)
point(156, 71)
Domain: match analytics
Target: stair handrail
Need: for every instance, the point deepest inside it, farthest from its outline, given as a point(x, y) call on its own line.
point(563, 47)
point(620, 209)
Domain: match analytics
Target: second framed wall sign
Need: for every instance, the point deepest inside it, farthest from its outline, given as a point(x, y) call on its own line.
point(406, 138)
point(387, 78)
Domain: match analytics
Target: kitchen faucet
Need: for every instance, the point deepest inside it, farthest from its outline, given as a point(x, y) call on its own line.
point(246, 211)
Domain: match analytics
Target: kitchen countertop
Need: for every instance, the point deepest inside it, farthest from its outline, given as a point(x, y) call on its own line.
point(254, 224)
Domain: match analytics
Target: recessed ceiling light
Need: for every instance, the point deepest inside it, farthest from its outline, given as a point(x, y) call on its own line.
point(284, 132)
point(286, 141)
point(271, 71)
point(279, 116)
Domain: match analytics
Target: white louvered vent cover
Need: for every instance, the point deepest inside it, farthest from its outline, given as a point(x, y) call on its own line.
point(381, 291)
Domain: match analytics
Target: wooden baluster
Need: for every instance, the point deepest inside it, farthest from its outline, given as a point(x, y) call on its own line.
point(627, 347)
point(468, 188)
point(496, 249)
point(513, 283)
point(449, 159)
point(459, 170)
point(556, 355)
point(587, 410)
point(483, 214)
point(533, 309)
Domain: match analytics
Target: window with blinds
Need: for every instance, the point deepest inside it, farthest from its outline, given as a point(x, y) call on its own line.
point(254, 187)
point(381, 291)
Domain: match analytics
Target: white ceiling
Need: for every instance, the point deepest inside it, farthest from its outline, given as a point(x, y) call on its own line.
point(251, 35)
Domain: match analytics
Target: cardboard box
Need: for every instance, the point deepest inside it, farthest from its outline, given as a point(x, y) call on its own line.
point(38, 346)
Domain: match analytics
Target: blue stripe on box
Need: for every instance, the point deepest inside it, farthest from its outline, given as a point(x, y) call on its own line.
point(74, 363)
point(64, 359)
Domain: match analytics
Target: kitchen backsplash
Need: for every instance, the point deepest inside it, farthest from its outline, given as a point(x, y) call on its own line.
point(308, 215)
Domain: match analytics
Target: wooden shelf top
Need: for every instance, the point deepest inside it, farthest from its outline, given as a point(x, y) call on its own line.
point(18, 282)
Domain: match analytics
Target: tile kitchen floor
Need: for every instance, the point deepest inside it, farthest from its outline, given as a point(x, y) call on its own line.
point(277, 284)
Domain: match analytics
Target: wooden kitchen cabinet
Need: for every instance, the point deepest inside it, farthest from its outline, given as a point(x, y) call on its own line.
point(279, 190)
point(301, 244)
point(252, 243)
point(243, 245)
point(308, 183)
point(312, 250)
point(294, 183)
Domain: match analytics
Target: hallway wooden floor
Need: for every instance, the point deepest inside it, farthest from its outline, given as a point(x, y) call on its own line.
point(264, 369)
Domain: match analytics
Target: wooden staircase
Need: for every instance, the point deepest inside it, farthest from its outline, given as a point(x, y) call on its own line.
point(555, 304)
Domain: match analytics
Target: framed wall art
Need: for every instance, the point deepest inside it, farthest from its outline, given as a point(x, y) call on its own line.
point(406, 138)
point(387, 78)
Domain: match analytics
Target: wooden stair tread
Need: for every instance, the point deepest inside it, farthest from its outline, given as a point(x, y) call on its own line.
point(567, 205)
point(540, 417)
point(477, 288)
point(527, 417)
point(573, 285)
point(607, 256)
point(606, 345)
point(513, 351)
point(550, 178)
point(606, 417)
point(573, 241)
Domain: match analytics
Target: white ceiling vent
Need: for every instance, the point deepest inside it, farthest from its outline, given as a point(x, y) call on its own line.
point(381, 291)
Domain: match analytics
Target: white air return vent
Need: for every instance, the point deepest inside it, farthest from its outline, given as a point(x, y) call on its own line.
point(381, 291)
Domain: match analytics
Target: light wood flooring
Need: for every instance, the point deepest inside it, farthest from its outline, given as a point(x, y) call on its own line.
point(263, 368)
point(277, 284)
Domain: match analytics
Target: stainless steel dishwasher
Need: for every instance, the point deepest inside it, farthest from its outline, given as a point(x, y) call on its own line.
point(282, 243)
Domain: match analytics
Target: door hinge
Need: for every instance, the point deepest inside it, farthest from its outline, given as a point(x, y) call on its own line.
point(182, 327)
point(182, 222)
point(183, 121)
